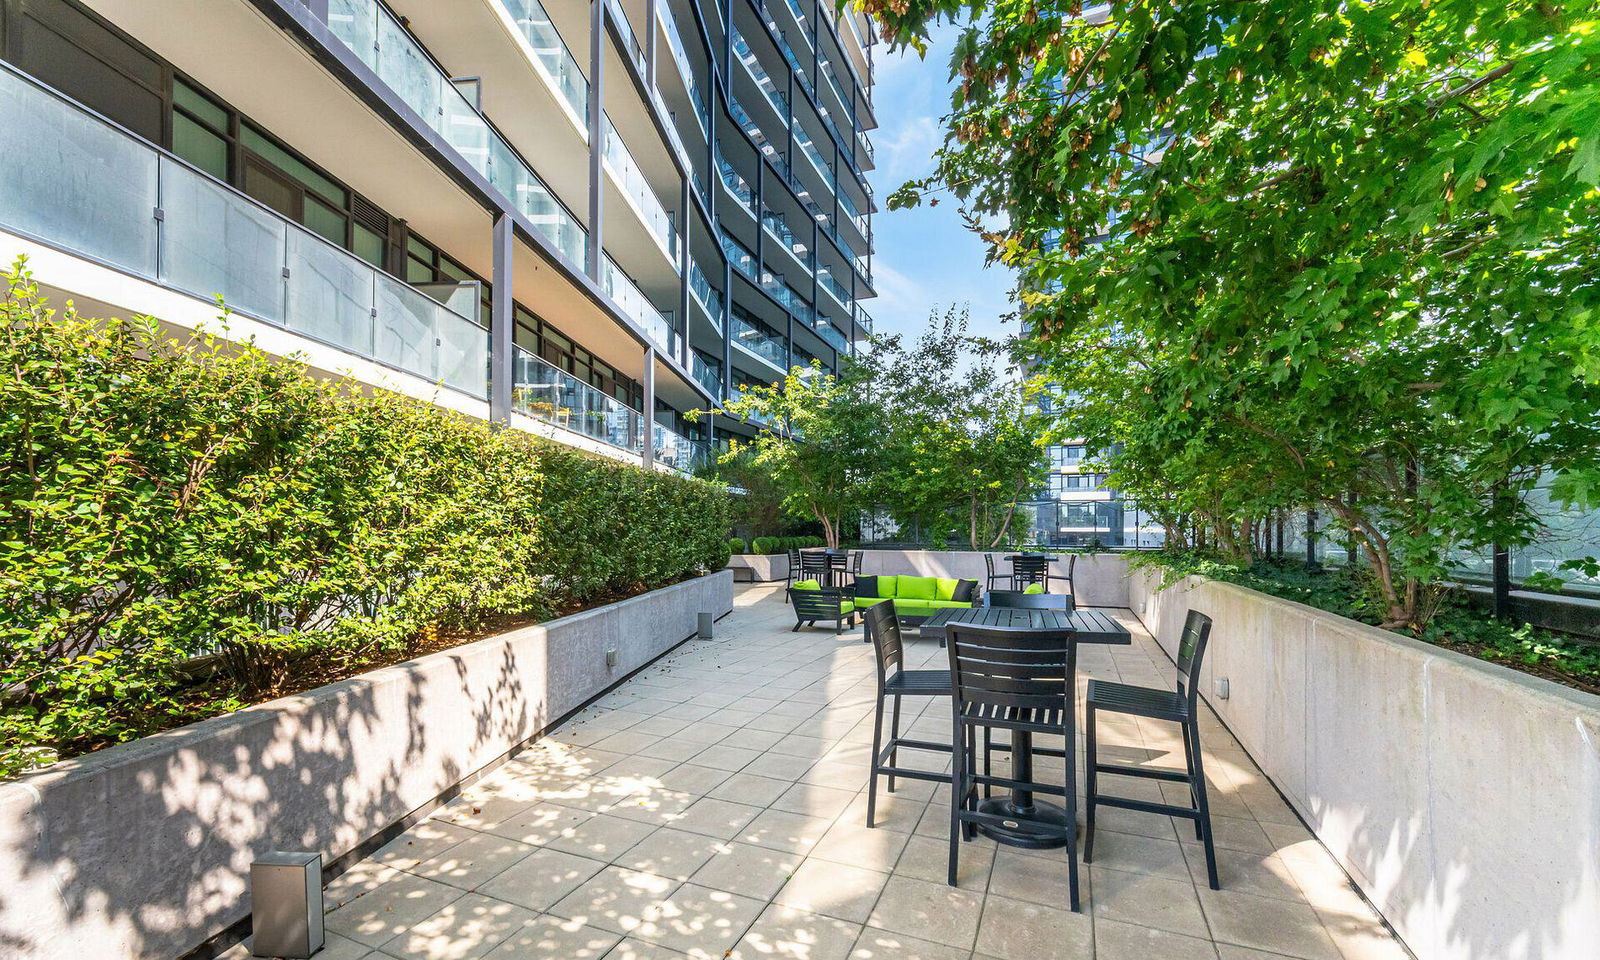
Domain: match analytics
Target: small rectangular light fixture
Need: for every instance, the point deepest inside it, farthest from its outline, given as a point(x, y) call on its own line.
point(286, 905)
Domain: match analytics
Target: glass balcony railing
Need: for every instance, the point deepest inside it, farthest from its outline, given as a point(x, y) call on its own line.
point(800, 20)
point(826, 280)
point(852, 211)
point(737, 184)
point(778, 227)
point(680, 56)
point(752, 338)
point(76, 182)
point(546, 392)
point(830, 333)
point(550, 52)
point(621, 288)
point(708, 373)
point(863, 318)
point(639, 193)
point(678, 451)
point(742, 259)
point(752, 66)
point(818, 162)
point(800, 73)
point(709, 297)
point(630, 41)
point(374, 35)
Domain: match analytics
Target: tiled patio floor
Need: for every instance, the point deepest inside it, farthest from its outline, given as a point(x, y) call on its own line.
point(714, 807)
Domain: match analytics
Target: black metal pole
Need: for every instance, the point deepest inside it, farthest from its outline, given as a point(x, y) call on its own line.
point(1502, 582)
point(1311, 538)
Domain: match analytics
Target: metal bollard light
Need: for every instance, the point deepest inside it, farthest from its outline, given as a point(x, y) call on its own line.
point(706, 622)
point(286, 905)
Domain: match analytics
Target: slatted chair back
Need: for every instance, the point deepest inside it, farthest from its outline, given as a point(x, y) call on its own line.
point(813, 566)
point(1026, 570)
point(1072, 565)
point(1192, 650)
point(1016, 599)
point(1012, 676)
point(988, 564)
point(816, 604)
point(794, 564)
point(884, 629)
point(855, 562)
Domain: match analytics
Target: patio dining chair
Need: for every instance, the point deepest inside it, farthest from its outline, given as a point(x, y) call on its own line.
point(815, 565)
point(988, 563)
point(1028, 570)
point(894, 680)
point(1181, 707)
point(794, 573)
point(1021, 681)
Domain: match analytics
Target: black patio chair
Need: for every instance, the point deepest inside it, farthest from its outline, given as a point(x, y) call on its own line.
point(1021, 681)
point(1181, 707)
point(1072, 586)
point(823, 603)
point(894, 680)
point(855, 564)
point(988, 562)
point(1028, 601)
point(1027, 570)
point(794, 573)
point(815, 565)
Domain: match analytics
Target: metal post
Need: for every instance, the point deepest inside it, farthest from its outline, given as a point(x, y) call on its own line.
point(596, 118)
point(648, 453)
point(1352, 552)
point(286, 905)
point(501, 323)
point(1502, 582)
point(1311, 538)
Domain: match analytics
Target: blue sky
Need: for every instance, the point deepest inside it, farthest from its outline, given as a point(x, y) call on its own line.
point(925, 258)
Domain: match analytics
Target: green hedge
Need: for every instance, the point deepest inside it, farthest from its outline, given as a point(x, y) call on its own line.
point(737, 545)
point(167, 506)
point(768, 545)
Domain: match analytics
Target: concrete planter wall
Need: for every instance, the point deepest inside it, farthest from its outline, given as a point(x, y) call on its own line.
point(1101, 579)
point(759, 567)
point(143, 850)
point(1462, 796)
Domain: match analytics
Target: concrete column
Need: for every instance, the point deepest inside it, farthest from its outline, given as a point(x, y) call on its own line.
point(501, 323)
point(650, 43)
point(597, 41)
point(648, 454)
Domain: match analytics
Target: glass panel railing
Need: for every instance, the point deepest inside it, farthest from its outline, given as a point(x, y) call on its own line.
point(818, 162)
point(852, 211)
point(550, 53)
point(709, 297)
point(751, 337)
point(830, 333)
point(752, 66)
point(630, 41)
point(778, 227)
point(742, 259)
point(631, 180)
point(708, 373)
point(800, 73)
point(402, 64)
point(543, 391)
point(863, 319)
point(621, 288)
point(678, 451)
point(680, 56)
point(742, 117)
point(825, 279)
point(737, 184)
point(77, 182)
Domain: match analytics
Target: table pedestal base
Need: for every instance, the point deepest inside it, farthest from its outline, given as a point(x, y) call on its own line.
point(1021, 835)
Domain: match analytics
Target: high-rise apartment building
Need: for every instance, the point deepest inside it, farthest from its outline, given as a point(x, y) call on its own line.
point(584, 219)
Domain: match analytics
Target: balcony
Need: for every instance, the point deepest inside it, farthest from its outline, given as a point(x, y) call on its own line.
point(373, 34)
point(77, 183)
point(709, 297)
point(679, 452)
point(621, 288)
point(707, 373)
point(554, 59)
point(747, 336)
point(545, 392)
point(641, 196)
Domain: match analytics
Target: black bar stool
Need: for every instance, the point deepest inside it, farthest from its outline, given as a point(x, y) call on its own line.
point(894, 680)
point(1181, 708)
point(1021, 681)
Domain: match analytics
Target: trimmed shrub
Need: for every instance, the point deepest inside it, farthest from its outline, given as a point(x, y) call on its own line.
point(167, 507)
point(737, 545)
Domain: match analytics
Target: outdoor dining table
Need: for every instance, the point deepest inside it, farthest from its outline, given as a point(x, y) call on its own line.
point(1088, 626)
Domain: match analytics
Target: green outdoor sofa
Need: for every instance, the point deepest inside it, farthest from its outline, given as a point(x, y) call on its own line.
point(915, 598)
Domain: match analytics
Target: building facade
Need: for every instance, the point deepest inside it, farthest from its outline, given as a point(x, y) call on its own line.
point(583, 219)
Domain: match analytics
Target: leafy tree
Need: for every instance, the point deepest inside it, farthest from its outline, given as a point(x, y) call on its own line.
point(1332, 254)
point(820, 443)
point(963, 443)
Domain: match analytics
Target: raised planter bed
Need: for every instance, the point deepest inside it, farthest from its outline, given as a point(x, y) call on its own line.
point(759, 567)
point(1463, 797)
point(143, 850)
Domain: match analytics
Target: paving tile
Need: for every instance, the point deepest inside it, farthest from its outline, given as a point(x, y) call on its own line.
point(1277, 926)
point(782, 830)
point(784, 932)
point(1126, 941)
point(550, 936)
point(615, 899)
point(833, 889)
point(853, 843)
point(1034, 876)
point(699, 920)
point(422, 842)
point(1014, 930)
point(932, 911)
point(1148, 901)
point(631, 949)
point(748, 870)
point(877, 944)
point(602, 837)
point(925, 858)
point(541, 878)
point(1261, 875)
point(722, 819)
point(1124, 851)
point(814, 800)
point(670, 853)
point(389, 909)
point(540, 823)
point(745, 787)
point(474, 861)
point(464, 930)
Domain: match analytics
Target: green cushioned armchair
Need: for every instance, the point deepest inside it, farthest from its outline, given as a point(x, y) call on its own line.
point(915, 598)
point(813, 602)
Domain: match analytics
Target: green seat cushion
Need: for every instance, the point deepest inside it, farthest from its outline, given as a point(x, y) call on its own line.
point(847, 607)
point(948, 603)
point(807, 585)
point(868, 601)
point(944, 589)
point(916, 588)
point(886, 585)
point(1033, 588)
